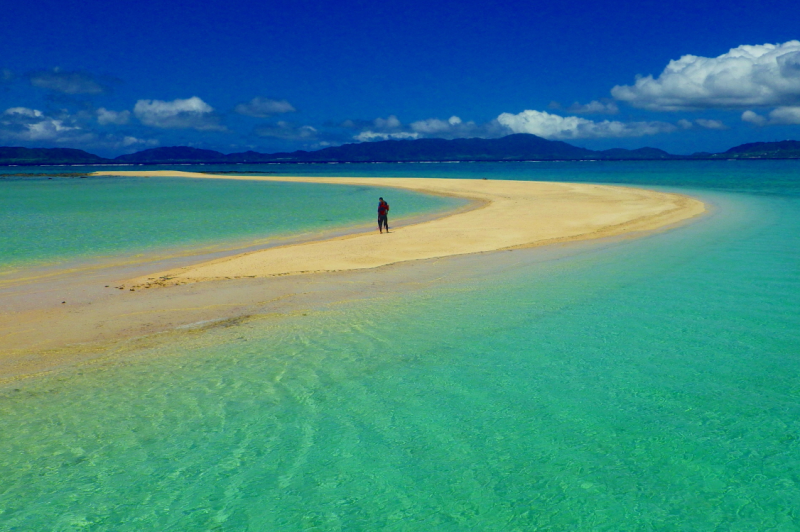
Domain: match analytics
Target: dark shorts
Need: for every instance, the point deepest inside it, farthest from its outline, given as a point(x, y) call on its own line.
point(383, 221)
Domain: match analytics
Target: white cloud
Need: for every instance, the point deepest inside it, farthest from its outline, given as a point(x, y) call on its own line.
point(710, 124)
point(540, 123)
point(390, 128)
point(25, 125)
point(552, 126)
point(133, 141)
point(385, 124)
point(758, 75)
point(23, 111)
point(48, 129)
point(22, 123)
point(105, 117)
point(704, 123)
point(453, 127)
point(435, 125)
point(286, 130)
point(264, 107)
point(178, 114)
point(366, 136)
point(753, 118)
point(594, 107)
point(67, 82)
point(785, 115)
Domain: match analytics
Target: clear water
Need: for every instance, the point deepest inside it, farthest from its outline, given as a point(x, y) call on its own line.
point(649, 384)
point(45, 221)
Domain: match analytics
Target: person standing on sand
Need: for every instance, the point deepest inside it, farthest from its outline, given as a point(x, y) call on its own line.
point(383, 215)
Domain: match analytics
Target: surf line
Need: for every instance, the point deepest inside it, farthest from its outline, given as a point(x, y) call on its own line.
point(502, 215)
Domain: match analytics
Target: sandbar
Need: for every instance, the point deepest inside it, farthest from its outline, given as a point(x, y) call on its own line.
point(504, 215)
point(48, 323)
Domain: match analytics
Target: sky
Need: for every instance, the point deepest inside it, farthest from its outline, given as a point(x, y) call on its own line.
point(116, 77)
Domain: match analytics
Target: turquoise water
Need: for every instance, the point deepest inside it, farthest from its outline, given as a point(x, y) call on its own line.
point(648, 384)
point(756, 177)
point(46, 221)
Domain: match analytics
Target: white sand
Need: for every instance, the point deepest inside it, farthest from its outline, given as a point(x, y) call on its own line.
point(39, 333)
point(508, 214)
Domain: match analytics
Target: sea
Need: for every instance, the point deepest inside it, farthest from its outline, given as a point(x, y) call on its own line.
point(647, 383)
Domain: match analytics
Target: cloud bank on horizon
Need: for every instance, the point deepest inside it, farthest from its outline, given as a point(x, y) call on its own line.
point(760, 83)
point(746, 76)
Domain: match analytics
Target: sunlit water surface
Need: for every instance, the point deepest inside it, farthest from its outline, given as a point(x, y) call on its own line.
point(648, 384)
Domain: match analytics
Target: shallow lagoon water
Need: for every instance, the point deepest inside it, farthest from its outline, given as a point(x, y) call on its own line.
point(50, 221)
point(645, 384)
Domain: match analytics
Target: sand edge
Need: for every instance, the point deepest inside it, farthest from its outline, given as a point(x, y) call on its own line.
point(503, 215)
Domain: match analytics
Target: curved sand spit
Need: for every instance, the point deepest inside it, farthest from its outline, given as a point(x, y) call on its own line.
point(504, 215)
point(71, 319)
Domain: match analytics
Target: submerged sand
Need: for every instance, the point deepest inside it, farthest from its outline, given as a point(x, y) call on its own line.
point(58, 321)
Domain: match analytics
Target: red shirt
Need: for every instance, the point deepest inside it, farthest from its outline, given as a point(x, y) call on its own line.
point(383, 207)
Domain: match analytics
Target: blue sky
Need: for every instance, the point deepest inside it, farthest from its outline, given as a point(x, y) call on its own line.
point(116, 77)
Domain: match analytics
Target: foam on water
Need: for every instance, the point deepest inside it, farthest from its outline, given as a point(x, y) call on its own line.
point(646, 384)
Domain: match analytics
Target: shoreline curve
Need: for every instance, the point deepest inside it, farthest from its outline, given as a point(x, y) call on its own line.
point(503, 215)
point(87, 317)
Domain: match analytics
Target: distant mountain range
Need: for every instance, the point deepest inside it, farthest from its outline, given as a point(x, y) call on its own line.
point(48, 156)
point(517, 147)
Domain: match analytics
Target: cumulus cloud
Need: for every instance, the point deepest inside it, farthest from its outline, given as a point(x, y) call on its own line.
point(25, 124)
point(785, 115)
point(386, 124)
point(434, 125)
point(457, 128)
point(539, 123)
point(31, 126)
point(594, 108)
point(710, 124)
point(701, 122)
point(391, 124)
point(68, 82)
point(551, 126)
point(23, 111)
point(757, 75)
point(105, 117)
point(191, 113)
point(392, 128)
point(128, 141)
point(264, 107)
point(753, 118)
point(286, 131)
point(47, 130)
point(367, 136)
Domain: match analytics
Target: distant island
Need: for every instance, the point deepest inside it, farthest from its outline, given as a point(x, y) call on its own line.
point(517, 147)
